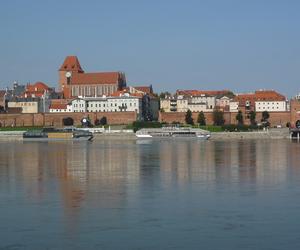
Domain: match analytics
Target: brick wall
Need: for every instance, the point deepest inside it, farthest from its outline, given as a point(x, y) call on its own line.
point(295, 111)
point(170, 117)
point(276, 118)
point(55, 119)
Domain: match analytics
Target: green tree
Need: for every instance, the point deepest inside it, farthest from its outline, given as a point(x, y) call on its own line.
point(103, 121)
point(163, 95)
point(265, 116)
point(218, 118)
point(230, 94)
point(252, 116)
point(239, 117)
point(68, 121)
point(201, 119)
point(188, 118)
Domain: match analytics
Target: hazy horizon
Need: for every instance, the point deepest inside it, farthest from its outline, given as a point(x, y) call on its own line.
point(171, 45)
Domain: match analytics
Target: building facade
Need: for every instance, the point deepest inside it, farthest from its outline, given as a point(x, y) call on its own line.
point(74, 82)
point(183, 103)
point(123, 103)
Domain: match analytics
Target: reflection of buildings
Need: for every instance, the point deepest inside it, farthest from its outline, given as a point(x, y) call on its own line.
point(224, 161)
point(72, 174)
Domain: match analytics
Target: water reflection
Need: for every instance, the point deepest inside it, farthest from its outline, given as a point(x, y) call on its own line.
point(77, 180)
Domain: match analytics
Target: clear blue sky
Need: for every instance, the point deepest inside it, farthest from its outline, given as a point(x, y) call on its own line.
point(240, 45)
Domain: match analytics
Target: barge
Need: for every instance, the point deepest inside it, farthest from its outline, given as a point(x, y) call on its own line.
point(54, 134)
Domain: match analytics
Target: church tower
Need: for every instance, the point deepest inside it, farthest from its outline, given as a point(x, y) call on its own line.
point(69, 68)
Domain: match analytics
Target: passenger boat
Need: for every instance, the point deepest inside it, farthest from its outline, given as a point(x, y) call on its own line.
point(53, 134)
point(173, 132)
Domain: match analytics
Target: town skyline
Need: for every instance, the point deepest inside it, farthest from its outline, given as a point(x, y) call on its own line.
point(171, 45)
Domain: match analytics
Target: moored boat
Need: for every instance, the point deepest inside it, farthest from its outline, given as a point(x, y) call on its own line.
point(53, 134)
point(172, 132)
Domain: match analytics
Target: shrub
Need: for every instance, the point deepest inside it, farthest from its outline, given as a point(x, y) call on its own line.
point(68, 121)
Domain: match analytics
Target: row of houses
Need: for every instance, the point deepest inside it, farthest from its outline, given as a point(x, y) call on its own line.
point(224, 100)
point(145, 105)
point(80, 91)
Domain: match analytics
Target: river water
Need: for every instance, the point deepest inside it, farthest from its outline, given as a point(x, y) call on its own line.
point(151, 194)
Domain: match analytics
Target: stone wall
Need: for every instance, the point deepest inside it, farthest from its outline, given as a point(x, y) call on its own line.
point(276, 118)
point(55, 119)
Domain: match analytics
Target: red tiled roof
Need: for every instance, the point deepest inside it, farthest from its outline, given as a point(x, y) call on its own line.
point(58, 106)
point(96, 78)
point(261, 95)
point(71, 63)
point(37, 87)
point(145, 89)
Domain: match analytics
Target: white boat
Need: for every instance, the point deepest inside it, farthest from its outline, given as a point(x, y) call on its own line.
point(173, 132)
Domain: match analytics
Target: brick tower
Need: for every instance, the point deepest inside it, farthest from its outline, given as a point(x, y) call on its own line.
point(68, 69)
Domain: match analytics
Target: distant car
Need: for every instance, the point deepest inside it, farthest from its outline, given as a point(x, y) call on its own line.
point(278, 126)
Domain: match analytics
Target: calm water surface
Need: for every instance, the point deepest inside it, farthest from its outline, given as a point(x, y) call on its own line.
point(170, 194)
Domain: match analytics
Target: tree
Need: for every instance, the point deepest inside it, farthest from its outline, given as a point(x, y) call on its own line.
point(68, 121)
point(252, 116)
point(239, 117)
point(218, 118)
point(103, 121)
point(230, 94)
point(201, 119)
point(163, 95)
point(189, 118)
point(265, 116)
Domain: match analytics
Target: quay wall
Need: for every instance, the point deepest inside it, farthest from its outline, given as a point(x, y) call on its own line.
point(276, 118)
point(268, 134)
point(56, 119)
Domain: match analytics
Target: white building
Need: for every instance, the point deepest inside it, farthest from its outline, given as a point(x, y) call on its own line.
point(27, 106)
point(233, 106)
point(270, 106)
point(182, 103)
point(60, 108)
point(123, 103)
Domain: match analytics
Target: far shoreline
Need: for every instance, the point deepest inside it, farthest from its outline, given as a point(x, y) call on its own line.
point(16, 135)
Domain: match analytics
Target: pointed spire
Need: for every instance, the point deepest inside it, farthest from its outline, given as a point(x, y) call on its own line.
point(71, 63)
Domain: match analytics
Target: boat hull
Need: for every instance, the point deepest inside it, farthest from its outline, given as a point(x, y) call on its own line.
point(57, 135)
point(171, 133)
point(57, 139)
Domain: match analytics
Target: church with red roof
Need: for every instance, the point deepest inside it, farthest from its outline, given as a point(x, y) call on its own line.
point(74, 82)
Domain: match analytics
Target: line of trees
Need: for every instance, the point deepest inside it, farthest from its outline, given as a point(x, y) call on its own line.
point(69, 121)
point(218, 118)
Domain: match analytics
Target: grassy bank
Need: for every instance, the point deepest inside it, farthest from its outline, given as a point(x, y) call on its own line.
point(18, 128)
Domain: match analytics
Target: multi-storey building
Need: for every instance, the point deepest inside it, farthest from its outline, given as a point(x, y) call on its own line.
point(262, 100)
point(122, 103)
point(30, 105)
point(74, 82)
point(183, 103)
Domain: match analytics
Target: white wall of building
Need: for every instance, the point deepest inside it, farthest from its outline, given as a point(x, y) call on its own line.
point(270, 106)
point(234, 106)
point(27, 107)
point(108, 104)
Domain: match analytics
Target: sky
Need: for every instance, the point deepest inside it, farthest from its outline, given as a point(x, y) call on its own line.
point(241, 45)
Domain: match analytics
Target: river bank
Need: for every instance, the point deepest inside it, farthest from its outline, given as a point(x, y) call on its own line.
point(126, 134)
